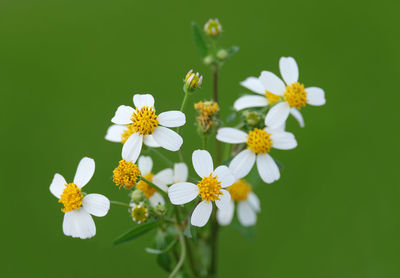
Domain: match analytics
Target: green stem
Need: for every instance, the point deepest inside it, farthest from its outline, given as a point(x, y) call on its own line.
point(185, 89)
point(121, 204)
point(159, 190)
point(182, 256)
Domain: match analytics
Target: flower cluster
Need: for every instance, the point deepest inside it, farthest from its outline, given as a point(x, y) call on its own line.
point(170, 199)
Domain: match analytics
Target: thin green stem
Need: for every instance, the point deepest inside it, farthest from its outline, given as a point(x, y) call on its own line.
point(121, 204)
point(182, 255)
point(178, 129)
point(159, 190)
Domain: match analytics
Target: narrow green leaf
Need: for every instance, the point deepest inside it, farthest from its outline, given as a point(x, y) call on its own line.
point(158, 251)
point(165, 260)
point(135, 232)
point(232, 51)
point(198, 39)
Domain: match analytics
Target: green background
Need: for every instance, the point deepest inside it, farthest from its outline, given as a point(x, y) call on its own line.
point(65, 66)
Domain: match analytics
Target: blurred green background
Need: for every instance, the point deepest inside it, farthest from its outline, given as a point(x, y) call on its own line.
point(65, 66)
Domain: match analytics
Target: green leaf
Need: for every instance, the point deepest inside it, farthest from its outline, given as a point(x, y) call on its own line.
point(158, 251)
point(165, 260)
point(232, 51)
point(198, 39)
point(135, 232)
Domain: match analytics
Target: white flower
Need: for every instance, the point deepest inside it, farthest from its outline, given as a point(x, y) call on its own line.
point(248, 205)
point(293, 93)
point(259, 143)
point(210, 188)
point(161, 179)
point(181, 172)
point(78, 208)
point(134, 127)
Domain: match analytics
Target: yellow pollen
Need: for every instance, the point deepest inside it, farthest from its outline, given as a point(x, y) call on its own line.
point(126, 174)
point(272, 98)
point(259, 141)
point(239, 190)
point(144, 120)
point(71, 198)
point(127, 133)
point(140, 213)
point(295, 95)
point(207, 110)
point(210, 188)
point(147, 189)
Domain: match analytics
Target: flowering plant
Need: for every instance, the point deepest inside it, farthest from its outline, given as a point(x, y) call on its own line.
point(185, 210)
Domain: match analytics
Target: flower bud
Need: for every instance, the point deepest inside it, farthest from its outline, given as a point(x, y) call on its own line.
point(222, 54)
point(192, 80)
point(252, 118)
point(208, 60)
point(160, 210)
point(212, 27)
point(139, 213)
point(137, 196)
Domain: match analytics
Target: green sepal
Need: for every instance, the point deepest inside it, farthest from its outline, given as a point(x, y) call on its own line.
point(232, 50)
point(135, 232)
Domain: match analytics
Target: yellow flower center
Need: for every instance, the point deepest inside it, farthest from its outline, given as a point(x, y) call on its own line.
point(272, 98)
point(127, 133)
point(212, 27)
point(126, 174)
point(210, 188)
point(71, 198)
point(239, 190)
point(144, 120)
point(147, 189)
point(140, 213)
point(259, 141)
point(295, 95)
point(207, 110)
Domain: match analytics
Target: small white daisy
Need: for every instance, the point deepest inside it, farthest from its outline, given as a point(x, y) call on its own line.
point(248, 205)
point(293, 93)
point(161, 179)
point(210, 188)
point(259, 143)
point(265, 98)
point(133, 127)
point(79, 207)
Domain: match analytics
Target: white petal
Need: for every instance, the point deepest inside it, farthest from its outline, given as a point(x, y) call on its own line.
point(149, 141)
point(114, 133)
point(182, 193)
point(297, 115)
point(224, 216)
point(272, 83)
point(225, 199)
point(79, 223)
point(225, 176)
point(242, 163)
point(172, 119)
point(253, 201)
point(145, 165)
point(253, 84)
point(315, 96)
point(202, 163)
point(289, 70)
point(277, 115)
point(167, 138)
point(57, 185)
point(201, 214)
point(283, 140)
point(143, 100)
point(132, 147)
point(267, 168)
point(156, 199)
point(247, 216)
point(163, 178)
point(250, 101)
point(96, 204)
point(84, 172)
point(181, 172)
point(123, 115)
point(231, 135)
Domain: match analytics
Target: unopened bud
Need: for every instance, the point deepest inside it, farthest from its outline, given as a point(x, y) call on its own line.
point(208, 60)
point(160, 209)
point(222, 54)
point(193, 80)
point(252, 118)
point(139, 213)
point(137, 196)
point(212, 27)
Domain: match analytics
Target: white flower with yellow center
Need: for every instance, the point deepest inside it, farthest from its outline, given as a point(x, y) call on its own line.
point(79, 207)
point(265, 97)
point(210, 188)
point(161, 179)
point(248, 205)
point(293, 93)
point(259, 143)
point(133, 127)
